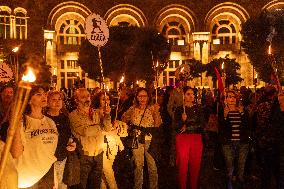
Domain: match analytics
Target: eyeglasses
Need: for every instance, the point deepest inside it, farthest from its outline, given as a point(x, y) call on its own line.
point(142, 96)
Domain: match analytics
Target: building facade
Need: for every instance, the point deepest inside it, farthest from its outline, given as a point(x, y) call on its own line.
point(200, 29)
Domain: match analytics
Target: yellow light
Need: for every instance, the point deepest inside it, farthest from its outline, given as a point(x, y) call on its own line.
point(180, 42)
point(137, 82)
point(122, 79)
point(269, 49)
point(256, 76)
point(216, 42)
point(181, 71)
point(30, 77)
point(175, 56)
point(223, 65)
point(16, 49)
point(48, 34)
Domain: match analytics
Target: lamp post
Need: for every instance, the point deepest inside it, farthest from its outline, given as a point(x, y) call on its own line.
point(16, 63)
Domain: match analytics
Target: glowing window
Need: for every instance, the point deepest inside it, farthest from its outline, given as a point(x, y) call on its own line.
point(21, 25)
point(226, 31)
point(174, 31)
point(5, 24)
point(71, 32)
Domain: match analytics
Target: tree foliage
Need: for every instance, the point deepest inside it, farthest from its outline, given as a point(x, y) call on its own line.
point(196, 68)
point(260, 32)
point(230, 70)
point(129, 52)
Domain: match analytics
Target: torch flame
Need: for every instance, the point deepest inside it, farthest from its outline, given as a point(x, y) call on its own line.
point(122, 79)
point(29, 77)
point(157, 64)
point(269, 50)
point(181, 71)
point(222, 65)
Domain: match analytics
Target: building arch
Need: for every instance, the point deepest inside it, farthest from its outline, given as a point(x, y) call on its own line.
point(20, 10)
point(224, 22)
point(70, 28)
point(70, 7)
point(274, 5)
point(179, 12)
point(176, 22)
point(6, 9)
point(125, 13)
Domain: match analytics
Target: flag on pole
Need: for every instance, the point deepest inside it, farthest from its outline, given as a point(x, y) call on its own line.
point(220, 82)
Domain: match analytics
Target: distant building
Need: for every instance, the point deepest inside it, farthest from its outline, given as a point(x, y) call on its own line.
point(196, 29)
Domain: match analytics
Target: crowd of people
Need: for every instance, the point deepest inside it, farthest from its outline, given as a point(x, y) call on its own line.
point(80, 140)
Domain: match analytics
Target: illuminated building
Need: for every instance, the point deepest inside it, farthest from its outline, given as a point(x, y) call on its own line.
point(195, 29)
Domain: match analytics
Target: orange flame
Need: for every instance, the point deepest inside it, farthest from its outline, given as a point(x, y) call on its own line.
point(269, 49)
point(29, 77)
point(122, 79)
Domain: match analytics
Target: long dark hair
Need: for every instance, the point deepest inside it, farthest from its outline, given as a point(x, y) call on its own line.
point(34, 90)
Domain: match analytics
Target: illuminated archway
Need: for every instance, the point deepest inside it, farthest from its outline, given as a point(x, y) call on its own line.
point(224, 22)
point(177, 13)
point(69, 7)
point(274, 6)
point(125, 14)
point(5, 9)
point(20, 10)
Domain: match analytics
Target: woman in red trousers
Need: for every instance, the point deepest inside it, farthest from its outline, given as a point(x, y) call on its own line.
point(189, 123)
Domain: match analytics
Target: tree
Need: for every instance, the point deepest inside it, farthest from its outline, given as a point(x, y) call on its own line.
point(196, 68)
point(260, 32)
point(130, 51)
point(230, 70)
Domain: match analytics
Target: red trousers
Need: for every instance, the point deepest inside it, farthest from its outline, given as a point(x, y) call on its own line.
point(188, 155)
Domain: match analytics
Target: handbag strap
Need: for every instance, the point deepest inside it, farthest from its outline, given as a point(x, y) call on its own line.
point(142, 116)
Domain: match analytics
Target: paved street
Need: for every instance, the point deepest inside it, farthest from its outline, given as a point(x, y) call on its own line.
point(209, 179)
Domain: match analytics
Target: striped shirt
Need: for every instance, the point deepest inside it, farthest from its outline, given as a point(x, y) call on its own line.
point(234, 118)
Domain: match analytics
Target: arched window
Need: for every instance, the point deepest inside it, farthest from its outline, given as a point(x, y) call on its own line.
point(5, 25)
point(225, 31)
point(71, 32)
point(21, 25)
point(124, 24)
point(174, 31)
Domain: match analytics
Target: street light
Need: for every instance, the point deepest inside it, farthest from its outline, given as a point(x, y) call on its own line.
point(16, 63)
